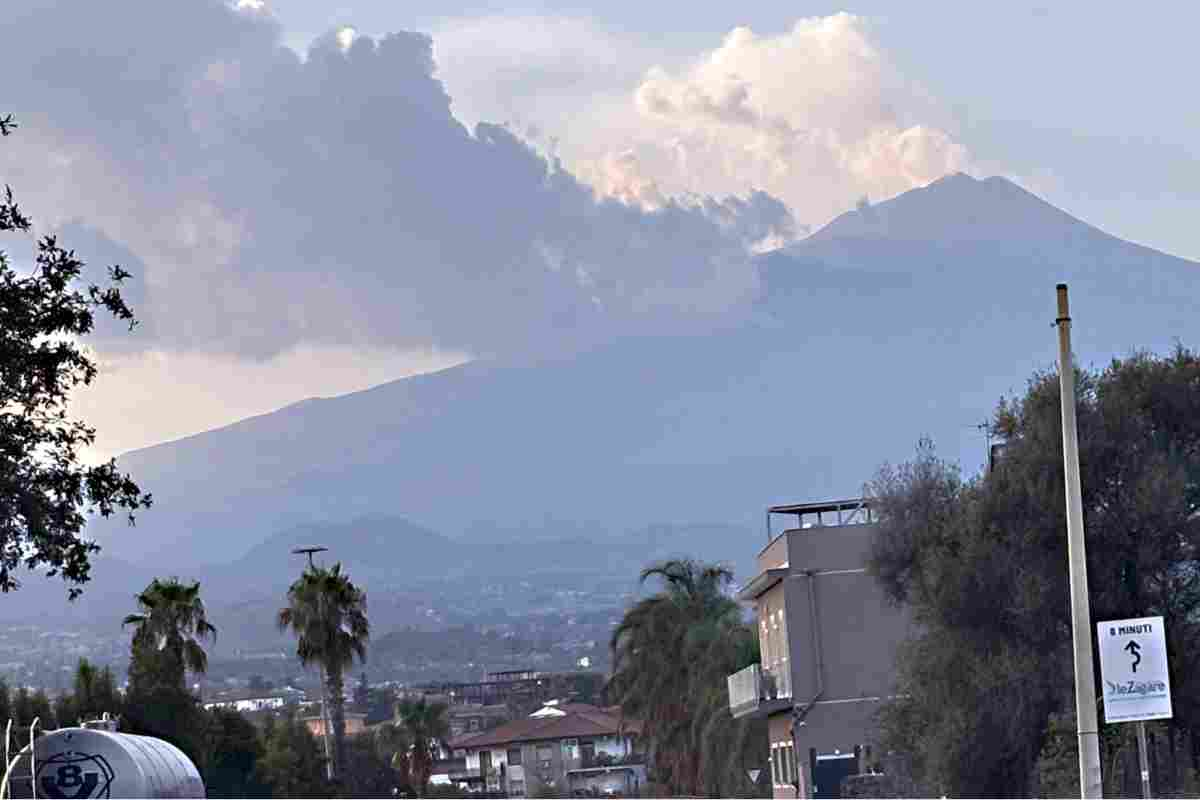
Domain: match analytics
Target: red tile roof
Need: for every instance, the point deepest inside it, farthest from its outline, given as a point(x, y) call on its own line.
point(578, 720)
point(458, 742)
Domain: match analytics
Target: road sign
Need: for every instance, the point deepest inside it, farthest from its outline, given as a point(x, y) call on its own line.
point(1133, 666)
point(753, 775)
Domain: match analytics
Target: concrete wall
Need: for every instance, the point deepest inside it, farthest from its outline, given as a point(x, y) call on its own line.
point(774, 554)
point(830, 547)
point(856, 630)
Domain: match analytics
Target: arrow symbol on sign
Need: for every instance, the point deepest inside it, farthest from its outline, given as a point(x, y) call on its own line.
point(1133, 648)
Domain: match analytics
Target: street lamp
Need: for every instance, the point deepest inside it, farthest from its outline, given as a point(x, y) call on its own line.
point(310, 551)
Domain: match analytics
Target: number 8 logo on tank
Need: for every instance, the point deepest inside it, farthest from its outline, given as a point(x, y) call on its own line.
point(74, 776)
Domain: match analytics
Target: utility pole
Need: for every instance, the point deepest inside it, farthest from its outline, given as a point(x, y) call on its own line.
point(1081, 617)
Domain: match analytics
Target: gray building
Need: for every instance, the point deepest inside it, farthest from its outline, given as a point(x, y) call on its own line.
point(828, 639)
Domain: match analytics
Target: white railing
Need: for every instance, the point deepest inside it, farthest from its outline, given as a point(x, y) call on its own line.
point(745, 690)
point(751, 687)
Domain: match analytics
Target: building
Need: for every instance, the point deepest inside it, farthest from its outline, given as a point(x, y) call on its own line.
point(465, 718)
point(356, 723)
point(522, 688)
point(564, 750)
point(522, 691)
point(249, 702)
point(828, 639)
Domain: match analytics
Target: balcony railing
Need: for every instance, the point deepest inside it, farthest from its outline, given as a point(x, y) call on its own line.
point(597, 760)
point(745, 691)
point(751, 687)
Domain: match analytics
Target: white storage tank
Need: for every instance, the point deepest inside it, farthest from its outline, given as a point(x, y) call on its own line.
point(85, 763)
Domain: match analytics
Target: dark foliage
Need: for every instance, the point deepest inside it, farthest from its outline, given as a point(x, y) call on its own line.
point(368, 771)
point(93, 694)
point(292, 764)
point(328, 615)
point(166, 644)
point(46, 493)
point(426, 728)
point(982, 564)
point(232, 752)
point(672, 652)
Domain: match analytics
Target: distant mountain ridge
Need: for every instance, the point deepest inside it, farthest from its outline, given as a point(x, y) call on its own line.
point(957, 208)
point(907, 318)
point(391, 558)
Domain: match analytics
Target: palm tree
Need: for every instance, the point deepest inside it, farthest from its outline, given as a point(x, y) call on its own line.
point(427, 728)
point(671, 653)
point(328, 614)
point(168, 634)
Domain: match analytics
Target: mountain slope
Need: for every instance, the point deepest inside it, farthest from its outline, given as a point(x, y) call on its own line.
point(907, 318)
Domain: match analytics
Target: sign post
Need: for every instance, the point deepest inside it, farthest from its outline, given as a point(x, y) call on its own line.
point(1137, 684)
point(1143, 760)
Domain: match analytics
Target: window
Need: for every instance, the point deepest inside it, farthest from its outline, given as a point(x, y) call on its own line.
point(785, 675)
point(473, 724)
point(568, 748)
point(783, 765)
point(514, 756)
point(545, 756)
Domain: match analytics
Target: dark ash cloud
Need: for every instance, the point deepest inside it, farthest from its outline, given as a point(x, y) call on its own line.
point(335, 199)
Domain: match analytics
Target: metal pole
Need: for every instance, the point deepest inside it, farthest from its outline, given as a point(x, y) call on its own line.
point(1081, 618)
point(325, 723)
point(33, 726)
point(1143, 759)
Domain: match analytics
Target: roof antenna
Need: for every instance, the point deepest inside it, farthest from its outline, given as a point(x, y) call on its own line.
point(308, 551)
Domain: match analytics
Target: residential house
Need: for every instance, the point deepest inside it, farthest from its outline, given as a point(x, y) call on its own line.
point(563, 749)
point(828, 639)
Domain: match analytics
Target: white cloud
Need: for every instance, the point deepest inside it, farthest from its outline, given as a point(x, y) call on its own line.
point(536, 70)
point(816, 115)
point(345, 37)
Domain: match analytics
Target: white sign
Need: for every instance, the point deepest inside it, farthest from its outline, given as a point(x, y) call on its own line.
point(1133, 669)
